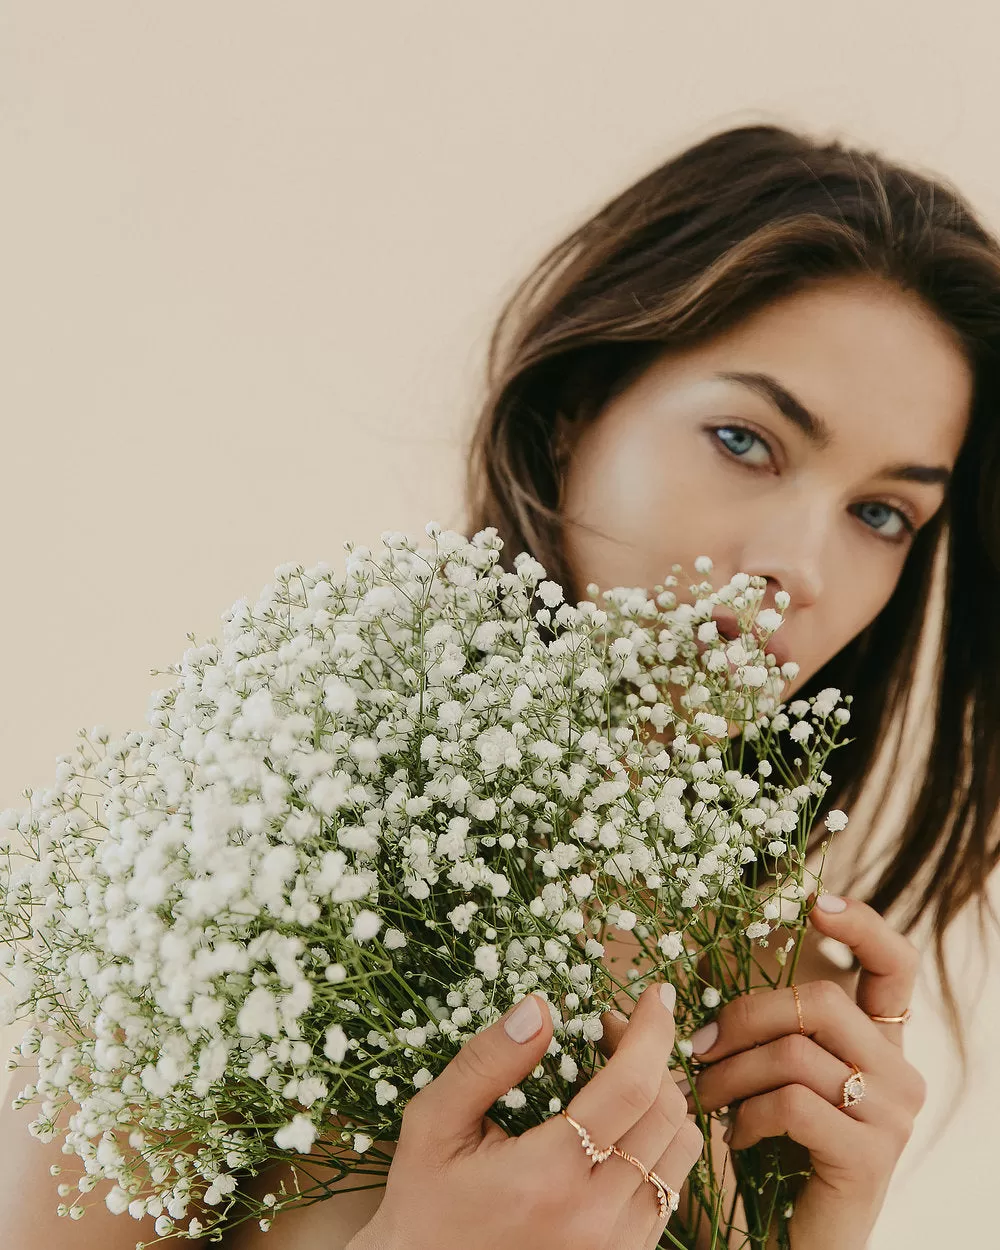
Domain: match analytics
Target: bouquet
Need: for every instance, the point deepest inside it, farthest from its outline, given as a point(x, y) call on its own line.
point(394, 800)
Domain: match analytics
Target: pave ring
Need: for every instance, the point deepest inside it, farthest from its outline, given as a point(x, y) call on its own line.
point(597, 1155)
point(668, 1199)
point(854, 1088)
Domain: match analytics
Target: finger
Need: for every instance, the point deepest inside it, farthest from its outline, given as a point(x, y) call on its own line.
point(624, 1089)
point(672, 1167)
point(617, 1180)
point(833, 1139)
point(614, 1023)
point(796, 1060)
point(450, 1109)
point(889, 961)
point(830, 1016)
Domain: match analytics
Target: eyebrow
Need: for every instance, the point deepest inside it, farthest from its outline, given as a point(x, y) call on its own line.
point(818, 432)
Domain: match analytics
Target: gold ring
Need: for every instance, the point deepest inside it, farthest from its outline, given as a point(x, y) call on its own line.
point(798, 1007)
point(890, 1019)
point(668, 1200)
point(854, 1088)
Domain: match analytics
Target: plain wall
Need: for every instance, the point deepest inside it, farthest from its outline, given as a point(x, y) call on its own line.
point(251, 256)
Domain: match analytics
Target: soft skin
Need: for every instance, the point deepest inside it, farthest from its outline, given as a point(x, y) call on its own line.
point(684, 464)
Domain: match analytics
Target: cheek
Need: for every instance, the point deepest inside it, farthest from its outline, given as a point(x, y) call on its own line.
point(632, 514)
point(853, 601)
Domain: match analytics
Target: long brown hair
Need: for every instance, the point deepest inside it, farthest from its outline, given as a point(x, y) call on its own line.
point(742, 217)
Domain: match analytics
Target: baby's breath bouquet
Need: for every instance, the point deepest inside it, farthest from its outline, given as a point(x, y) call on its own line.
point(391, 802)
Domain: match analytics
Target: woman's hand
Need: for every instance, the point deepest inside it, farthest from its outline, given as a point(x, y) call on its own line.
point(777, 1081)
point(459, 1182)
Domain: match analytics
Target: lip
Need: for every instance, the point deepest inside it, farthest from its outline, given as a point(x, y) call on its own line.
point(729, 628)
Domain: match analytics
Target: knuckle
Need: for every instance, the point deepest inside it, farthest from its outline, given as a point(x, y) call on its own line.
point(919, 1087)
point(792, 1052)
point(672, 1101)
point(472, 1066)
point(417, 1107)
point(901, 1130)
point(741, 1010)
point(637, 1092)
point(827, 996)
point(690, 1140)
point(794, 1100)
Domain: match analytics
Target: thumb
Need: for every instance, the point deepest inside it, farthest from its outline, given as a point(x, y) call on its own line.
point(487, 1066)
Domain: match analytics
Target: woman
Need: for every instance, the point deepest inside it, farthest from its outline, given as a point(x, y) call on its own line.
point(783, 354)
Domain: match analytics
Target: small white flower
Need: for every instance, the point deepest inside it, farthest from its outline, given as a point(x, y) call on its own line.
point(335, 1045)
point(568, 1068)
point(488, 962)
point(298, 1135)
point(385, 1092)
point(366, 925)
point(769, 619)
point(670, 945)
point(836, 820)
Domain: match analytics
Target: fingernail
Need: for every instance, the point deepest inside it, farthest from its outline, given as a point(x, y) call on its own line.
point(727, 1136)
point(830, 902)
point(524, 1021)
point(619, 1015)
point(684, 1086)
point(668, 995)
point(704, 1039)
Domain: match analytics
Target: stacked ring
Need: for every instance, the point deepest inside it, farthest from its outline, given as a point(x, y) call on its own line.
point(667, 1199)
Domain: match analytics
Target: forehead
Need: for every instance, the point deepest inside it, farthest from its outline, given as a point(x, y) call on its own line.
point(873, 361)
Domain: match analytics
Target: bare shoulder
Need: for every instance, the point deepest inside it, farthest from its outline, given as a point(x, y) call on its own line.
point(331, 1212)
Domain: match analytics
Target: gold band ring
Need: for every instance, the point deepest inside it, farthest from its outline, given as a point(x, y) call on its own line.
point(798, 1007)
point(891, 1019)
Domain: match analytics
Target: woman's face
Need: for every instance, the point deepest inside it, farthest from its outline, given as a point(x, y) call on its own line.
point(812, 472)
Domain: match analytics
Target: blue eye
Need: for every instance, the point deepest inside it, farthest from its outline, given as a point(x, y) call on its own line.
point(885, 521)
point(884, 511)
point(738, 441)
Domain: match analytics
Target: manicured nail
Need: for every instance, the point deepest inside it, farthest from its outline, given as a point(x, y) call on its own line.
point(704, 1039)
point(830, 902)
point(524, 1021)
point(668, 995)
point(619, 1015)
point(684, 1086)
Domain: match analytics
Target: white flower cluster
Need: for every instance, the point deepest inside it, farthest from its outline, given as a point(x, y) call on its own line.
point(392, 801)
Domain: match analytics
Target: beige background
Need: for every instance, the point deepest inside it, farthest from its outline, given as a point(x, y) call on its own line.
point(251, 253)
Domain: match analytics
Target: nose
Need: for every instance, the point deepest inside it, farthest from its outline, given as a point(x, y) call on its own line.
point(789, 556)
